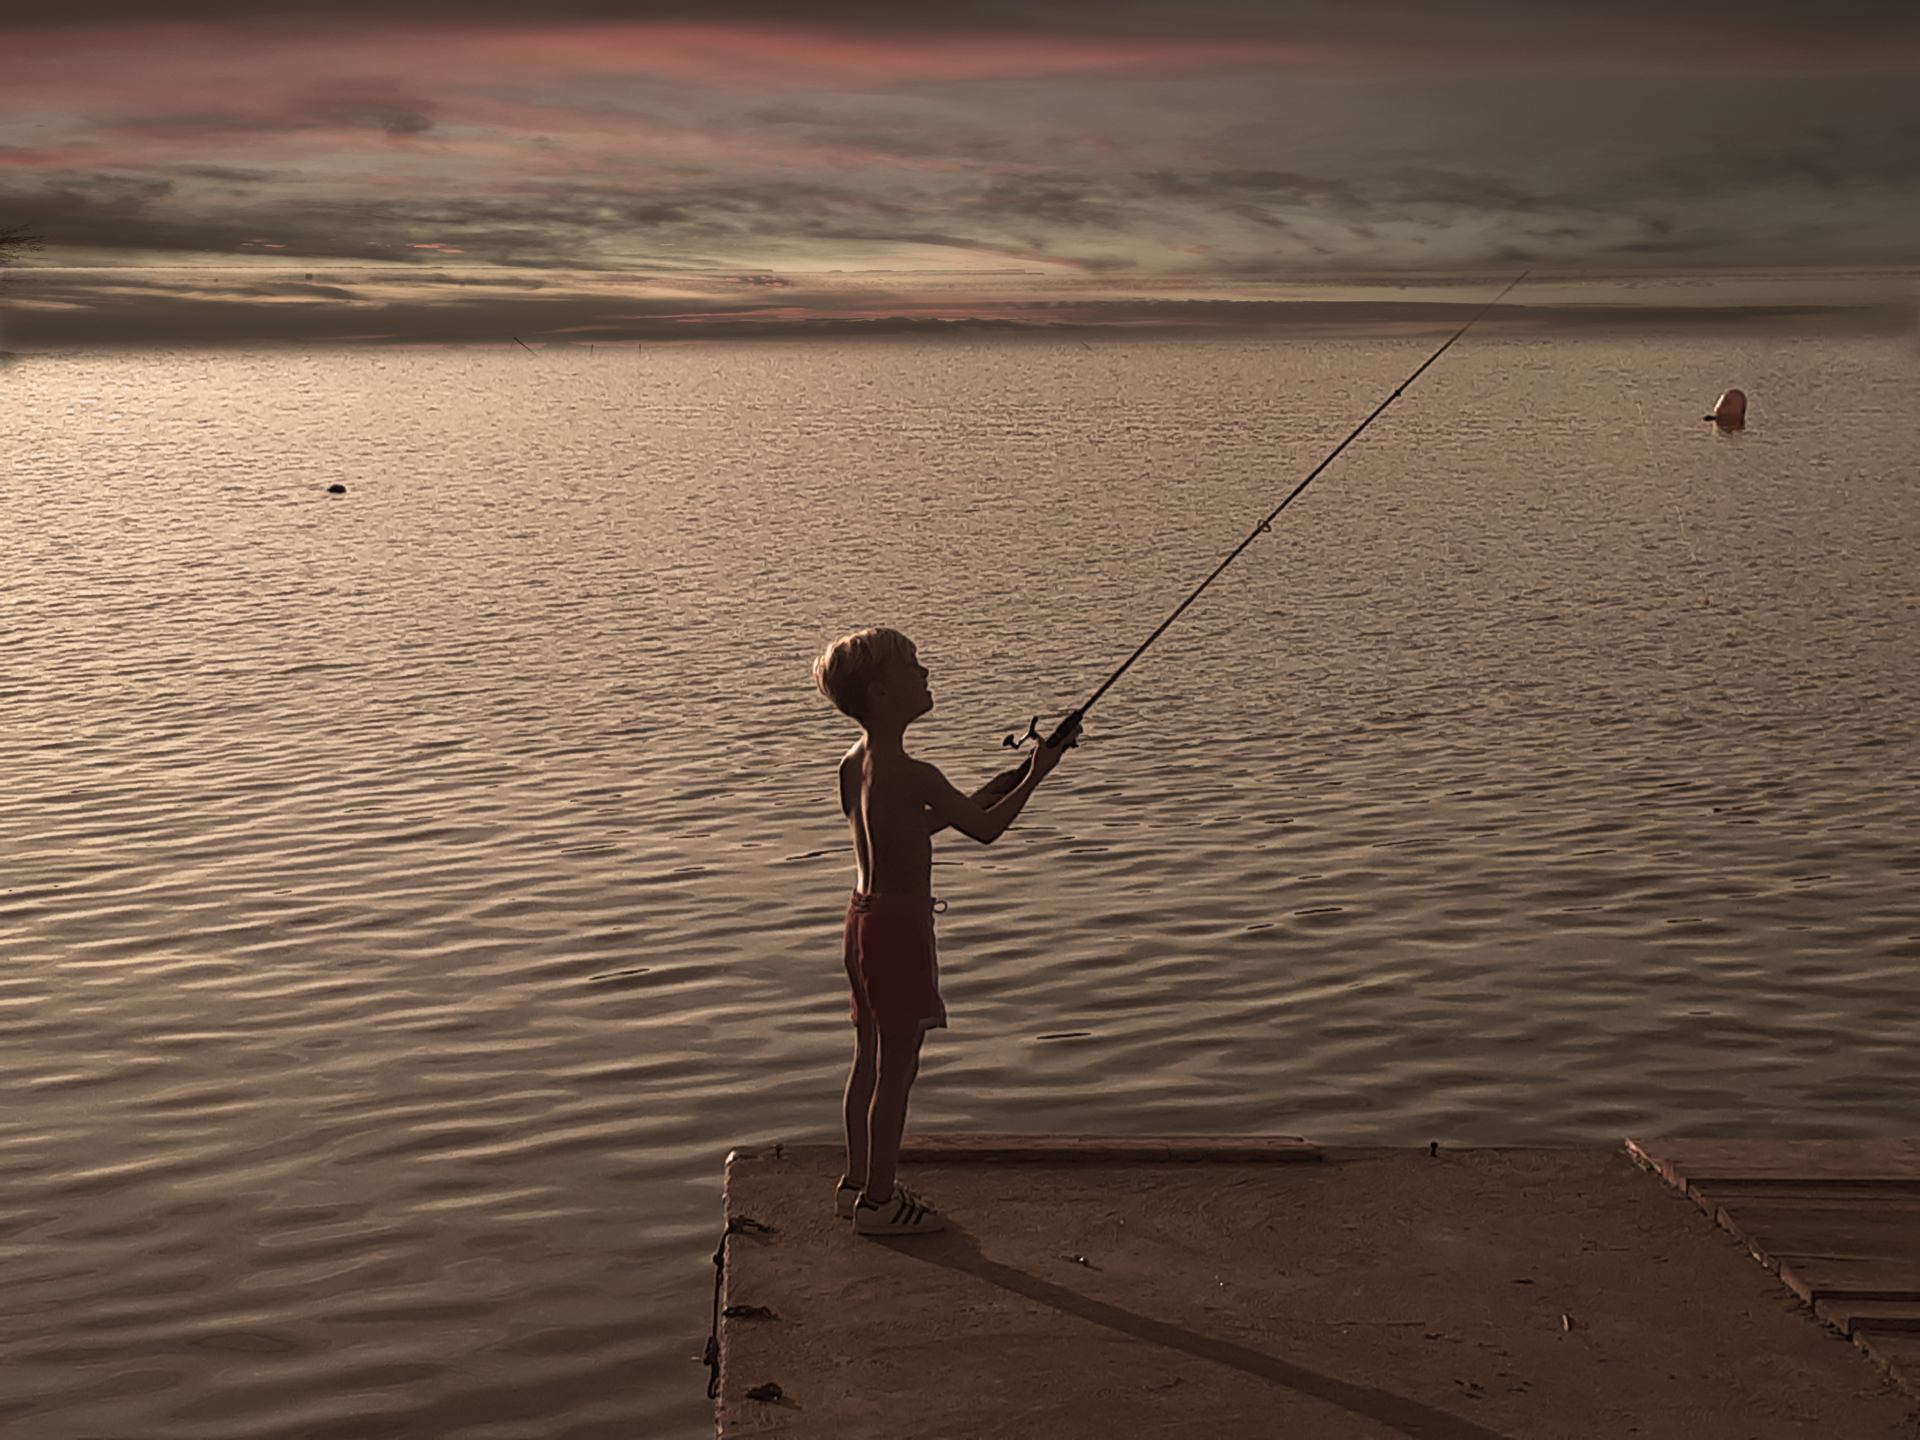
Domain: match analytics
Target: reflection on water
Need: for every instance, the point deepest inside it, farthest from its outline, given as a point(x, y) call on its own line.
point(411, 895)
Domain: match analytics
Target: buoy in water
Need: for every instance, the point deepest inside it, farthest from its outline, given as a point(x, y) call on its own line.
point(336, 489)
point(1730, 411)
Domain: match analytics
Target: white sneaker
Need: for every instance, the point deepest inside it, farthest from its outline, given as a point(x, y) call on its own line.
point(901, 1213)
point(843, 1198)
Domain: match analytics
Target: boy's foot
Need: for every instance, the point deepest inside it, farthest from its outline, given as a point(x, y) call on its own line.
point(901, 1213)
point(844, 1197)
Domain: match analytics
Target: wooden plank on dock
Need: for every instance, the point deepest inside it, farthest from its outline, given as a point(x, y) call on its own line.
point(1686, 1163)
point(1893, 1192)
point(1813, 1277)
point(1837, 1203)
point(1109, 1149)
point(1838, 1220)
point(1849, 1316)
point(1851, 1231)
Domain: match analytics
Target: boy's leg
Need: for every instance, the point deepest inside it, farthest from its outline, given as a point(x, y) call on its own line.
point(859, 1100)
point(898, 1063)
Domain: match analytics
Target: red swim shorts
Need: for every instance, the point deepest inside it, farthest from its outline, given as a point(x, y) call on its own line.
point(890, 962)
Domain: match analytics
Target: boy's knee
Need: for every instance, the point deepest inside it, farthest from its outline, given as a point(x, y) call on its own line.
point(899, 1054)
point(896, 1072)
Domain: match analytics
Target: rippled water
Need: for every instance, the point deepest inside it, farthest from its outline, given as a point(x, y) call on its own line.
point(411, 895)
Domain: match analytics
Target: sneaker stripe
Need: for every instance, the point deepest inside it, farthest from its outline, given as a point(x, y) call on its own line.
point(901, 1213)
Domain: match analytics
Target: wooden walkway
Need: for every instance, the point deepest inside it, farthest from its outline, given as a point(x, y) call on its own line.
point(1837, 1220)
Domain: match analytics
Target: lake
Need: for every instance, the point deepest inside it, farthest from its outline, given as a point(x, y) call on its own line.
point(411, 895)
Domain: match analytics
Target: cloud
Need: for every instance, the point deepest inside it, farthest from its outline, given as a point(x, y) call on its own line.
point(69, 308)
point(231, 174)
point(64, 308)
point(1738, 31)
point(337, 115)
point(1212, 144)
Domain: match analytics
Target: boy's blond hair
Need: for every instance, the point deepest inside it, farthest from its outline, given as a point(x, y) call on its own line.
point(846, 667)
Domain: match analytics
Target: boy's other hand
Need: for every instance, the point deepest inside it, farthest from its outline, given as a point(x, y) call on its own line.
point(1046, 756)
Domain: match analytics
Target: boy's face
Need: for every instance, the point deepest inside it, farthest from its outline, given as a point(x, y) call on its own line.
point(904, 685)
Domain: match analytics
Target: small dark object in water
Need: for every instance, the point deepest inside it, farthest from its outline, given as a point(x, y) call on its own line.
point(768, 1392)
point(749, 1312)
point(1433, 1149)
point(336, 489)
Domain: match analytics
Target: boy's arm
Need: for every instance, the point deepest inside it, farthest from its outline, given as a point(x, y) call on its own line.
point(947, 806)
point(985, 823)
point(985, 796)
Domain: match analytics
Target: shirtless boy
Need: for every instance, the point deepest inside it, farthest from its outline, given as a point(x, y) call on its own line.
point(894, 805)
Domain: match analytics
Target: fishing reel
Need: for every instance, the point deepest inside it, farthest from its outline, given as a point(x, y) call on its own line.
point(1068, 727)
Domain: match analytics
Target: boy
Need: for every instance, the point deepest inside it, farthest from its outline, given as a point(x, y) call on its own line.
point(894, 805)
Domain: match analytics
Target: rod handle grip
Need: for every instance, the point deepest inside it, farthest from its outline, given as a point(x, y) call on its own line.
point(1066, 728)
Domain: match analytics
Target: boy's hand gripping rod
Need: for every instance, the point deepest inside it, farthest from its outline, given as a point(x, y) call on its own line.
point(1063, 733)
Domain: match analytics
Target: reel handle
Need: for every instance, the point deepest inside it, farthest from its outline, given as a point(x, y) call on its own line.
point(1059, 735)
point(1014, 742)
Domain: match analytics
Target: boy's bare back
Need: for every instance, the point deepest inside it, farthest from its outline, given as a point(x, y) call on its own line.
point(892, 839)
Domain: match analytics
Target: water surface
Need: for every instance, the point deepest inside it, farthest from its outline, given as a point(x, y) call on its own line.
point(410, 896)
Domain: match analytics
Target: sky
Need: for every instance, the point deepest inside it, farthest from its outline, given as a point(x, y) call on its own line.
point(586, 171)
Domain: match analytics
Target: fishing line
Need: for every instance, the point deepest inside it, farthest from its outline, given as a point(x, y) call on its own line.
point(1066, 727)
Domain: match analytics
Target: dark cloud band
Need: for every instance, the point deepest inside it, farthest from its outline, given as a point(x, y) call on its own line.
point(1472, 22)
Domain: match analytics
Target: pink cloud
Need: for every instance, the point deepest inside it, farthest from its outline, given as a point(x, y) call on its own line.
point(486, 92)
point(253, 66)
point(251, 63)
point(51, 157)
point(805, 58)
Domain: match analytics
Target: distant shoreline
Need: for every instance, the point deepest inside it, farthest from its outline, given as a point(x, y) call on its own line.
point(1152, 321)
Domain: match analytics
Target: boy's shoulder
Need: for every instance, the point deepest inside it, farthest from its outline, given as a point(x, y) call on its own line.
point(882, 769)
point(854, 753)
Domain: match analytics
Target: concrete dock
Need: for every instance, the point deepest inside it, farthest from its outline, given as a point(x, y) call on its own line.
point(1104, 1288)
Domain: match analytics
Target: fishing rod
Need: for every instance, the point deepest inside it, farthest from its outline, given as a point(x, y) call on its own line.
point(1066, 727)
